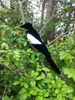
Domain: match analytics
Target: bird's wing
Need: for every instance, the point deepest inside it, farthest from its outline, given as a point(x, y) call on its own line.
point(33, 40)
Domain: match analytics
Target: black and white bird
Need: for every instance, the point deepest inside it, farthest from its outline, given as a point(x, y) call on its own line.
point(37, 43)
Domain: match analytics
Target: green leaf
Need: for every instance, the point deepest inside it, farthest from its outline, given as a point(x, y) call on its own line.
point(36, 74)
point(1, 59)
point(42, 76)
point(36, 89)
point(33, 83)
point(25, 96)
point(6, 62)
point(5, 98)
point(74, 78)
point(39, 98)
point(74, 98)
point(16, 83)
point(25, 43)
point(38, 78)
point(46, 94)
point(47, 80)
point(4, 46)
point(66, 56)
point(3, 26)
point(25, 85)
point(56, 91)
point(32, 92)
point(33, 56)
point(69, 90)
point(46, 69)
point(59, 96)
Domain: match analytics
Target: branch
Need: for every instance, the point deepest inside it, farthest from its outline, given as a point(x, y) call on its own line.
point(2, 66)
point(21, 2)
point(45, 72)
point(48, 21)
point(5, 89)
point(21, 11)
point(60, 36)
point(42, 12)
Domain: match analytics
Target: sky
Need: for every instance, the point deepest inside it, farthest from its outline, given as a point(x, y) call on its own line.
point(36, 4)
point(6, 2)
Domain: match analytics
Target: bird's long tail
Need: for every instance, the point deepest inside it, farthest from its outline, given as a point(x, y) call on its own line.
point(53, 65)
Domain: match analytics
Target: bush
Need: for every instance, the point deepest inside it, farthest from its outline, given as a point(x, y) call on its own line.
point(25, 79)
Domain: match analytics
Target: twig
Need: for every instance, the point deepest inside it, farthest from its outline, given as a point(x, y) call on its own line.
point(45, 25)
point(4, 90)
point(15, 71)
point(45, 72)
point(21, 11)
point(60, 36)
point(47, 21)
point(11, 69)
point(42, 12)
point(21, 2)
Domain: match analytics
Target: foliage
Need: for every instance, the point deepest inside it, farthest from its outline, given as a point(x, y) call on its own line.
point(32, 83)
point(22, 77)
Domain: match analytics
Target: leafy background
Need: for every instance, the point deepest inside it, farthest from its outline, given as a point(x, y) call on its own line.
point(22, 74)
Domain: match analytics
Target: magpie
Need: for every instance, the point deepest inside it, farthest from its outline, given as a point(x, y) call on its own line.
point(37, 43)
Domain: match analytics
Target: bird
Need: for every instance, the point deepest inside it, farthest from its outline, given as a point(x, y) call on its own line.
point(37, 42)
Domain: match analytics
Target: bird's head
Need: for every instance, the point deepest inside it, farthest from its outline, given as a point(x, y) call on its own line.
point(26, 25)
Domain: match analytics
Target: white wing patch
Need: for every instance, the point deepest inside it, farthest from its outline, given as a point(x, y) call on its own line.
point(32, 39)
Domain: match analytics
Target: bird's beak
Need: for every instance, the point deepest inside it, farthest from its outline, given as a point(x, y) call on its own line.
point(22, 26)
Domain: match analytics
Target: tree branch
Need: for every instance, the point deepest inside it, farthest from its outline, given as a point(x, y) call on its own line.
point(4, 89)
point(47, 21)
point(15, 71)
point(2, 66)
point(21, 11)
point(42, 12)
point(45, 72)
point(60, 36)
point(43, 66)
